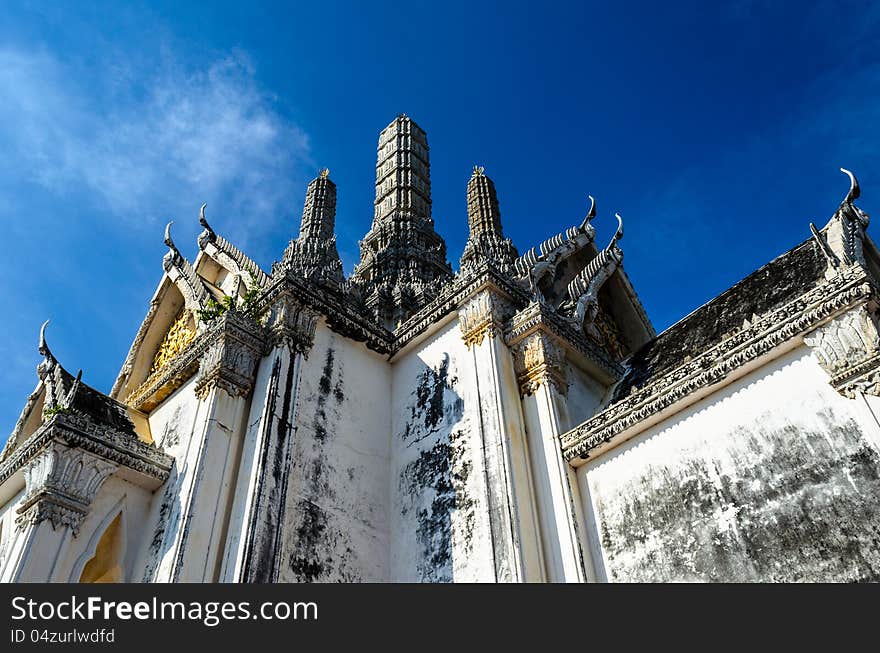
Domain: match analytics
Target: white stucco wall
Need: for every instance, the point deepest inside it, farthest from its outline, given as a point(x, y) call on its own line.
point(583, 397)
point(439, 515)
point(773, 478)
point(10, 537)
point(336, 524)
point(173, 424)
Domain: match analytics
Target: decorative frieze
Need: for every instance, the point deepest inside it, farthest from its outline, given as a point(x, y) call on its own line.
point(61, 483)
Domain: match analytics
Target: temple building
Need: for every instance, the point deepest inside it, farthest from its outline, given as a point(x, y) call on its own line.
point(516, 421)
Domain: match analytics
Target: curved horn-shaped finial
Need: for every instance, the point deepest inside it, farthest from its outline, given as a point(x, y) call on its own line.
point(43, 347)
point(591, 213)
point(168, 241)
point(619, 233)
point(854, 190)
point(204, 222)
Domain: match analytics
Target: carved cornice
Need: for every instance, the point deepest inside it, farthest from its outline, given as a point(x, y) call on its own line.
point(453, 296)
point(340, 313)
point(75, 430)
point(61, 483)
point(848, 288)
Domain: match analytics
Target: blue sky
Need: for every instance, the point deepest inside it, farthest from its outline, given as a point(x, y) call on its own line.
point(717, 132)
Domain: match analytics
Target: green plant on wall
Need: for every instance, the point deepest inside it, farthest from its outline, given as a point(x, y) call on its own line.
point(55, 410)
point(214, 309)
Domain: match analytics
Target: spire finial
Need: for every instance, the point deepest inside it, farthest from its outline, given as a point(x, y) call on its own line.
point(478, 171)
point(325, 172)
point(854, 190)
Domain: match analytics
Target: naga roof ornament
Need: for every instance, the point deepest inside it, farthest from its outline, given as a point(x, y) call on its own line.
point(582, 302)
point(228, 255)
point(180, 271)
point(540, 263)
point(841, 241)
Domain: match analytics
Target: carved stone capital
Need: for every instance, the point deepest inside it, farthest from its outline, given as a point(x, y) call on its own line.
point(539, 358)
point(230, 360)
point(292, 324)
point(61, 483)
point(848, 348)
point(483, 315)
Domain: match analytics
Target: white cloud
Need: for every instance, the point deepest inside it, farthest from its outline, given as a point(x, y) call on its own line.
point(143, 142)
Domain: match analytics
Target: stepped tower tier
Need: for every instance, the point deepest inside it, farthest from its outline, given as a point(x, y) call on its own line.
point(313, 254)
point(486, 240)
point(403, 260)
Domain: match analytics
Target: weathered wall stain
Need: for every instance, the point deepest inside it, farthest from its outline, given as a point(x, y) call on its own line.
point(320, 548)
point(434, 486)
point(166, 524)
point(801, 506)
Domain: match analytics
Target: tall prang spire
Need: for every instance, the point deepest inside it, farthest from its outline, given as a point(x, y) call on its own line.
point(313, 254)
point(486, 240)
point(403, 260)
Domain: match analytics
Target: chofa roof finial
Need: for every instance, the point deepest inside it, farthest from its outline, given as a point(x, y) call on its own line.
point(168, 241)
point(43, 347)
point(204, 221)
point(854, 190)
point(590, 214)
point(619, 233)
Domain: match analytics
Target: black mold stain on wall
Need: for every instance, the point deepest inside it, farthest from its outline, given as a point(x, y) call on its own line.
point(166, 523)
point(802, 508)
point(434, 486)
point(321, 549)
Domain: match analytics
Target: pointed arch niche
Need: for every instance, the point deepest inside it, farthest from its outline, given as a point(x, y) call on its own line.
point(104, 557)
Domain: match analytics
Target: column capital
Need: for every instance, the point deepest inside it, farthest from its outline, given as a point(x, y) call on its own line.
point(540, 359)
point(61, 482)
point(292, 324)
point(848, 349)
point(230, 359)
point(483, 314)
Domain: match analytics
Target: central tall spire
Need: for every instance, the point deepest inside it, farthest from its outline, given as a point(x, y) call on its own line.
point(403, 260)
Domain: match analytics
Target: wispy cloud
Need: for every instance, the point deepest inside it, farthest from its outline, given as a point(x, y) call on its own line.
point(143, 146)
